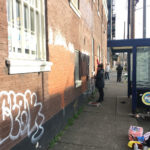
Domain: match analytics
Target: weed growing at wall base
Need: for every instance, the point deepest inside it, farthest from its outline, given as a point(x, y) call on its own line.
point(61, 133)
point(93, 95)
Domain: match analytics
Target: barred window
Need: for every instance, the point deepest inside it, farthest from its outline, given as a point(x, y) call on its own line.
point(98, 53)
point(98, 5)
point(26, 30)
point(74, 4)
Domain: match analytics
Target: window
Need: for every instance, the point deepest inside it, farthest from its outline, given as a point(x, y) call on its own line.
point(84, 64)
point(98, 5)
point(18, 16)
point(98, 53)
point(102, 55)
point(26, 36)
point(32, 21)
point(77, 72)
point(93, 57)
point(143, 67)
point(74, 4)
point(26, 16)
point(102, 13)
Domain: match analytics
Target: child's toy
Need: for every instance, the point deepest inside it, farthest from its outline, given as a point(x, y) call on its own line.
point(135, 132)
point(131, 143)
point(97, 104)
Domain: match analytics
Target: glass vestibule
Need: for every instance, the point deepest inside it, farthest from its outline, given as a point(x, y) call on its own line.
point(143, 67)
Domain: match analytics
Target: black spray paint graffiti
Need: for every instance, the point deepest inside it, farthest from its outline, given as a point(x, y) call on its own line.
point(23, 115)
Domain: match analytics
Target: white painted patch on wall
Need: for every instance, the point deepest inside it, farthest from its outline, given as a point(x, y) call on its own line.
point(71, 47)
point(56, 38)
point(51, 40)
point(85, 52)
point(60, 40)
point(16, 110)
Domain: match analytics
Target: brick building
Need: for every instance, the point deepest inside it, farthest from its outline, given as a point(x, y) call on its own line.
point(49, 53)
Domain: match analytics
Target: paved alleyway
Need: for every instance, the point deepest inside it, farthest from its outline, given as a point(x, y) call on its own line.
point(104, 127)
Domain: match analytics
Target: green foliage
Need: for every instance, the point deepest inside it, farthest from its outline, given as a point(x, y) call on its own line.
point(66, 127)
point(76, 116)
point(52, 143)
point(80, 111)
point(70, 123)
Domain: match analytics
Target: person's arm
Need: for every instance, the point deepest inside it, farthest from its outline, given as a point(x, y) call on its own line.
point(96, 76)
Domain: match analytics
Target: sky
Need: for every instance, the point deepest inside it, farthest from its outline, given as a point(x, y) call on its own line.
point(121, 19)
point(139, 19)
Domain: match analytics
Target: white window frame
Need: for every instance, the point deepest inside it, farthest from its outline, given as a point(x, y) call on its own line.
point(105, 8)
point(98, 8)
point(93, 57)
point(74, 4)
point(98, 53)
point(27, 47)
point(98, 5)
point(102, 55)
point(78, 82)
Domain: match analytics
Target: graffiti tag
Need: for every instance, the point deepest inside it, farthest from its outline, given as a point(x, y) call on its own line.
point(22, 115)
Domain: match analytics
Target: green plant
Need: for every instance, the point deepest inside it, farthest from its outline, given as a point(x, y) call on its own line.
point(56, 139)
point(70, 123)
point(52, 143)
point(61, 133)
point(76, 116)
point(66, 127)
point(80, 111)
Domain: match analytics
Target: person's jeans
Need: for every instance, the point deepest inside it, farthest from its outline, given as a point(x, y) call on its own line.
point(107, 75)
point(118, 77)
point(101, 94)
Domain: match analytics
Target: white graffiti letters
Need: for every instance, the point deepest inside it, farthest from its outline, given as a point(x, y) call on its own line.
point(22, 115)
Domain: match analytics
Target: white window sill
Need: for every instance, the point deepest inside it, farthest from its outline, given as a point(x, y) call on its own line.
point(75, 10)
point(27, 66)
point(78, 83)
point(98, 13)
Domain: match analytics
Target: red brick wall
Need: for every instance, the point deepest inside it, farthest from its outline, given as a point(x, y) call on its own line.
point(16, 83)
point(54, 89)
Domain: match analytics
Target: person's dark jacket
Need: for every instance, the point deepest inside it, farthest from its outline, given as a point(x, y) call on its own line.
point(119, 69)
point(99, 79)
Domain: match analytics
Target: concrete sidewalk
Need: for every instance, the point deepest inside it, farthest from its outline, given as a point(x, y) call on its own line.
point(105, 127)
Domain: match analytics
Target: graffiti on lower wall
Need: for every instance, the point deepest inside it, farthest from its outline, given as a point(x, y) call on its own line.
point(20, 115)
